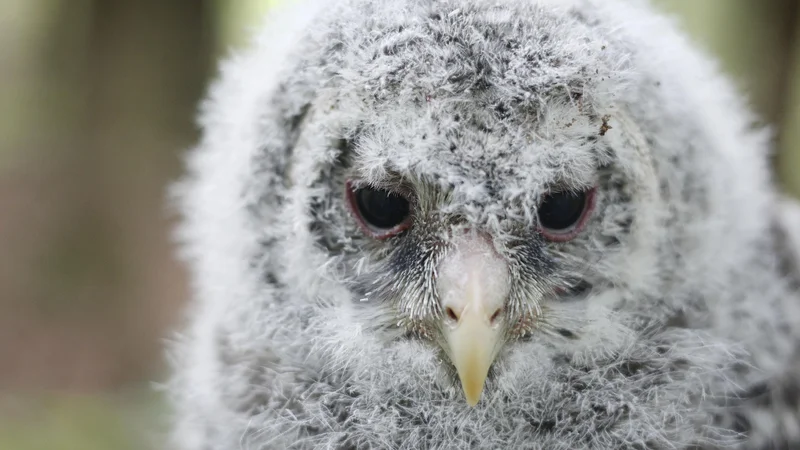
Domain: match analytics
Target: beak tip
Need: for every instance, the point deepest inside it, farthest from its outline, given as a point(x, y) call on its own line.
point(472, 393)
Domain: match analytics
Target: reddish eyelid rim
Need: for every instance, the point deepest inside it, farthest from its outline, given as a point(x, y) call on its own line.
point(350, 194)
point(351, 187)
point(579, 225)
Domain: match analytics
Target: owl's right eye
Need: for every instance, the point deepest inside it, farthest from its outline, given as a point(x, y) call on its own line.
point(380, 213)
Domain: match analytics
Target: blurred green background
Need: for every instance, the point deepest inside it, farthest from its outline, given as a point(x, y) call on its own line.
point(97, 102)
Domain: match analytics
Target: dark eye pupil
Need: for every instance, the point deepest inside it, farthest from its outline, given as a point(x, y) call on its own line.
point(381, 209)
point(561, 210)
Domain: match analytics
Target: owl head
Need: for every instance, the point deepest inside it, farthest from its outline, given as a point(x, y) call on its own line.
point(467, 179)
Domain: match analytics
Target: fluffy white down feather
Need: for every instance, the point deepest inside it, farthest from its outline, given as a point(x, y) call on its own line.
point(688, 337)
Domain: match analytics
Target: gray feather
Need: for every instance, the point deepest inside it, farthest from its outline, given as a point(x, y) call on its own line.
point(680, 323)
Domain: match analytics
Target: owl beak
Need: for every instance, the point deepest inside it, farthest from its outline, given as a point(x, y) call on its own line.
point(473, 284)
point(473, 343)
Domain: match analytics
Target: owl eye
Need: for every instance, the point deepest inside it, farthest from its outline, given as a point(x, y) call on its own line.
point(381, 213)
point(562, 215)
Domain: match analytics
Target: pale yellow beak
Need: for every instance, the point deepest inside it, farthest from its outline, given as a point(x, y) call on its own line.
point(473, 343)
point(473, 285)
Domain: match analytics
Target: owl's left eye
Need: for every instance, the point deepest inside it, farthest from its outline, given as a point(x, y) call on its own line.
point(380, 212)
point(562, 215)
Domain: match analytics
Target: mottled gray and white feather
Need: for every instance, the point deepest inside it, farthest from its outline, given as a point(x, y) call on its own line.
point(669, 322)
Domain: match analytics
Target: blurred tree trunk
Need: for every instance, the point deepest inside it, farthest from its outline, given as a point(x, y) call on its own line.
point(123, 78)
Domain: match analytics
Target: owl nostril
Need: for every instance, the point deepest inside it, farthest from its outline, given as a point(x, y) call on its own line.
point(495, 316)
point(451, 314)
point(454, 315)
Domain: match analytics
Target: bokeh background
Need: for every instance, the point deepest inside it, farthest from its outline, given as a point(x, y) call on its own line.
point(97, 101)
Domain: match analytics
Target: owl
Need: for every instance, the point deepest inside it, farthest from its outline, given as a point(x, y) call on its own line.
point(486, 224)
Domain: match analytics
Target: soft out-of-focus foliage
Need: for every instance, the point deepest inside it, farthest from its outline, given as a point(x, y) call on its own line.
point(98, 101)
point(757, 42)
point(235, 21)
point(789, 159)
point(122, 421)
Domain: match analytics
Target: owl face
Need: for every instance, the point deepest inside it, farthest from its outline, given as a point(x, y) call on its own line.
point(480, 233)
point(474, 196)
point(474, 190)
